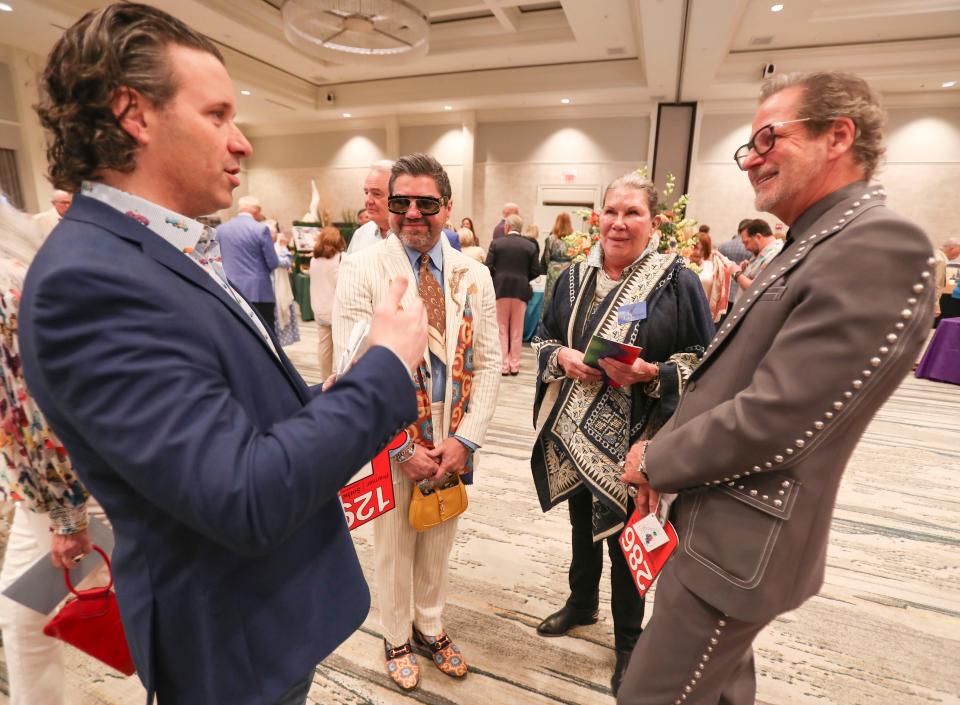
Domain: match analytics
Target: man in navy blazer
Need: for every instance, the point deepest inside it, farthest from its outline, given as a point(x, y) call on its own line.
point(216, 464)
point(249, 257)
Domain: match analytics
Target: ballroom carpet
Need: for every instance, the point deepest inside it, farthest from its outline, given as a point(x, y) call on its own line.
point(885, 629)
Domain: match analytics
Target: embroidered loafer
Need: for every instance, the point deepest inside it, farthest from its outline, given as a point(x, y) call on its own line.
point(402, 666)
point(445, 654)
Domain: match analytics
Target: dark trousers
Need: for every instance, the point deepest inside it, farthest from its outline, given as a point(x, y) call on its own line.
point(690, 653)
point(586, 567)
point(267, 311)
point(297, 695)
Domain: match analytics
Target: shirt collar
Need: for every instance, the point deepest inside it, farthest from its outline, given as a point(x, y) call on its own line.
point(813, 213)
point(435, 252)
point(180, 231)
point(773, 248)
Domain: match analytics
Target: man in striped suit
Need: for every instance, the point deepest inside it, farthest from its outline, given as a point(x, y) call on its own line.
point(456, 391)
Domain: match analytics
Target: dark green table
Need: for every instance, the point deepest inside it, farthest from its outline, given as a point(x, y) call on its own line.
point(300, 283)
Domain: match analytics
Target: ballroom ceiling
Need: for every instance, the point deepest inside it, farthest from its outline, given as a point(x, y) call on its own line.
point(498, 58)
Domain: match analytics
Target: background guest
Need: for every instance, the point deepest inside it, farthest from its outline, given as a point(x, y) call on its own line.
point(572, 459)
point(287, 328)
point(512, 260)
point(759, 240)
point(375, 203)
point(51, 504)
point(467, 223)
point(500, 230)
point(363, 217)
point(555, 258)
point(713, 274)
point(471, 248)
point(249, 257)
point(48, 219)
point(324, 269)
point(734, 250)
point(532, 233)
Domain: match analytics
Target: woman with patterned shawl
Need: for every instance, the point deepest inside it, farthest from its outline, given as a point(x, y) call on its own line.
point(628, 292)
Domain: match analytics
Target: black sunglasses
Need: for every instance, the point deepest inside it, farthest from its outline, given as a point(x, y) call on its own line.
point(762, 141)
point(427, 205)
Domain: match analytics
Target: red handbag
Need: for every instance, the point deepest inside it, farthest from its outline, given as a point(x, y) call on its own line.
point(90, 621)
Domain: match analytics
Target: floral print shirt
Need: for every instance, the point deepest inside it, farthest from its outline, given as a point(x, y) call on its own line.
point(35, 466)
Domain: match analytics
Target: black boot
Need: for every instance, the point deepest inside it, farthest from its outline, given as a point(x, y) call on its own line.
point(562, 621)
point(623, 660)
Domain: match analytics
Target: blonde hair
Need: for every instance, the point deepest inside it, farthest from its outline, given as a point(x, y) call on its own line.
point(467, 237)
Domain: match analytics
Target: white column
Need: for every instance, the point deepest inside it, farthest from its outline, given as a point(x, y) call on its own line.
point(25, 69)
point(465, 205)
point(392, 127)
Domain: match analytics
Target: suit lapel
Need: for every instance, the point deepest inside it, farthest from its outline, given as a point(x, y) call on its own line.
point(152, 245)
point(821, 230)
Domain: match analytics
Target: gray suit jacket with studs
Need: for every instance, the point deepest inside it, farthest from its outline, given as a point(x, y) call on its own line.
point(770, 417)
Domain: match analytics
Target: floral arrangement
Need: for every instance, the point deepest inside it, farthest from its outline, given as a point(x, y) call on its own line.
point(580, 242)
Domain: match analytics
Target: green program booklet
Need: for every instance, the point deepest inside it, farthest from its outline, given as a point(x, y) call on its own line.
point(600, 348)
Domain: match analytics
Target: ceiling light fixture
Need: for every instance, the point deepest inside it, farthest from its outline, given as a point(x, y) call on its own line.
point(948, 84)
point(357, 31)
point(4, 7)
point(348, 114)
point(565, 101)
point(244, 92)
point(776, 8)
point(448, 107)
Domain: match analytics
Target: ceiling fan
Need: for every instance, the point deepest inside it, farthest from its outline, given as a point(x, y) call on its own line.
point(354, 31)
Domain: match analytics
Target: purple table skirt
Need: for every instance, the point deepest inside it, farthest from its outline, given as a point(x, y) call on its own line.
point(941, 361)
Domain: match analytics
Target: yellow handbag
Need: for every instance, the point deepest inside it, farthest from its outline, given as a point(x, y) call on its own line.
point(439, 504)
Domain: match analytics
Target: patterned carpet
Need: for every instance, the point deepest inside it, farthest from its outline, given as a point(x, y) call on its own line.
point(885, 629)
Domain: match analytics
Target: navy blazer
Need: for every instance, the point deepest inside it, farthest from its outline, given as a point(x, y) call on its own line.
point(217, 465)
point(249, 257)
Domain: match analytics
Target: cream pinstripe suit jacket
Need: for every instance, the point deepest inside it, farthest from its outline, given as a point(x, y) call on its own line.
point(363, 282)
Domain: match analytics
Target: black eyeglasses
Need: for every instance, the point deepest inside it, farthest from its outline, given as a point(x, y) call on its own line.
point(762, 141)
point(427, 205)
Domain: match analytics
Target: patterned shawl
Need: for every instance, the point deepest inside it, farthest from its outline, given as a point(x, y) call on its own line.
point(589, 427)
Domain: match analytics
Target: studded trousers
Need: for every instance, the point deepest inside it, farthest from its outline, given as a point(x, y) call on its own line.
point(690, 653)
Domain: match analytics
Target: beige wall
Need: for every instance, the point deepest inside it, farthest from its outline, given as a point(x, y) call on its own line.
point(511, 160)
point(921, 172)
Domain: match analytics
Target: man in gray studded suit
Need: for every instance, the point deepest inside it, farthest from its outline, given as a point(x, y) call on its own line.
point(768, 421)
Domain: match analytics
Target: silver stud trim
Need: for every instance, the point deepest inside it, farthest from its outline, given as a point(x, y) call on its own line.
point(753, 493)
point(857, 383)
point(799, 443)
point(768, 465)
point(899, 325)
point(884, 350)
point(917, 288)
point(785, 483)
point(848, 395)
point(808, 434)
point(818, 425)
point(891, 338)
point(912, 301)
point(828, 415)
point(838, 405)
point(778, 458)
point(924, 275)
point(789, 451)
point(778, 502)
point(849, 212)
point(875, 361)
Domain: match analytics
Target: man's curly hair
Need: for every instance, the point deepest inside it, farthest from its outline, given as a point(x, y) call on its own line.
point(122, 45)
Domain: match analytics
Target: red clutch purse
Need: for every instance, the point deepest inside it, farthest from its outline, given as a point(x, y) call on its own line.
point(90, 621)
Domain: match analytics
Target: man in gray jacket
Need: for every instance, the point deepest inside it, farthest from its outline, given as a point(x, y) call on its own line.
point(758, 446)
